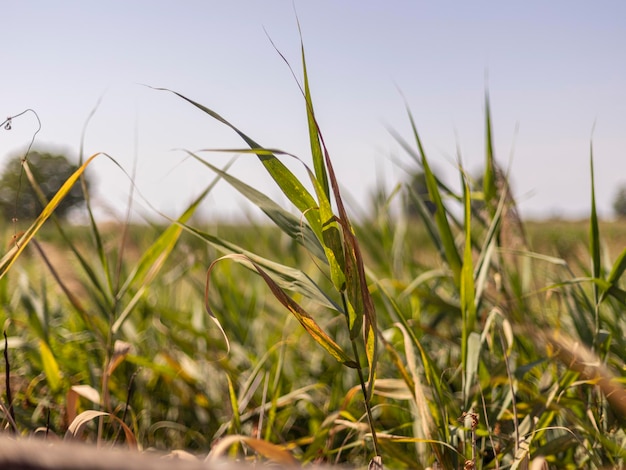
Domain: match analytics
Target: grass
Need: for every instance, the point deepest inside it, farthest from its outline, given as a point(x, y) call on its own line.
point(444, 339)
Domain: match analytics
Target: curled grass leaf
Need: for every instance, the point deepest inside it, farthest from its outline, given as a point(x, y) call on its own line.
point(309, 324)
point(76, 427)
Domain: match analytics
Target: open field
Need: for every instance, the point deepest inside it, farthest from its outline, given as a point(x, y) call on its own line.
point(172, 385)
point(438, 341)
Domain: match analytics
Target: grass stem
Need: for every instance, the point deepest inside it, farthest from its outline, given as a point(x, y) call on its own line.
point(366, 398)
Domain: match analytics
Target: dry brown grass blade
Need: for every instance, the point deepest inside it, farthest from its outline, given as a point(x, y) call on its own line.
point(266, 449)
point(76, 427)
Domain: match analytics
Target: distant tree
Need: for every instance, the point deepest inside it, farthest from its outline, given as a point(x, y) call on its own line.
point(619, 203)
point(17, 197)
point(418, 189)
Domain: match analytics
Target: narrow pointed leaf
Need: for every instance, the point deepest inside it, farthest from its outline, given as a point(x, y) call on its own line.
point(618, 268)
point(445, 231)
point(291, 187)
point(594, 236)
point(353, 255)
point(614, 277)
point(50, 366)
point(284, 219)
point(234, 404)
point(316, 148)
point(489, 177)
point(154, 258)
point(468, 306)
point(331, 236)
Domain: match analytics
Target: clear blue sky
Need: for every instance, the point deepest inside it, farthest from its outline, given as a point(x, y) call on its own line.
point(553, 70)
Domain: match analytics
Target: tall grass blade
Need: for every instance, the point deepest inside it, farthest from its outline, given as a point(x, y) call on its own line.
point(331, 235)
point(613, 280)
point(445, 231)
point(316, 148)
point(594, 235)
point(289, 184)
point(361, 299)
point(360, 309)
point(468, 293)
point(234, 404)
point(322, 222)
point(429, 223)
point(50, 366)
point(618, 268)
point(154, 258)
point(284, 219)
point(490, 189)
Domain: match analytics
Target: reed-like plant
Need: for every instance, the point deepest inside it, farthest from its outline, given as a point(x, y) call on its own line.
point(443, 339)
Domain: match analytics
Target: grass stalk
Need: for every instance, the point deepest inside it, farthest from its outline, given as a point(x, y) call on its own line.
point(7, 382)
point(366, 395)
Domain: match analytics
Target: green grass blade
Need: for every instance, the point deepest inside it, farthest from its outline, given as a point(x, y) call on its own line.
point(613, 280)
point(490, 189)
point(50, 366)
point(468, 293)
point(331, 232)
point(326, 230)
point(361, 299)
point(289, 184)
point(234, 404)
point(155, 256)
point(445, 231)
point(594, 230)
point(316, 148)
point(284, 219)
point(618, 268)
point(429, 223)
point(594, 242)
point(418, 159)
